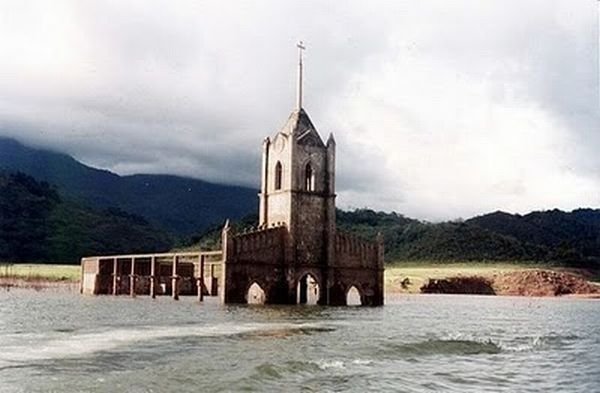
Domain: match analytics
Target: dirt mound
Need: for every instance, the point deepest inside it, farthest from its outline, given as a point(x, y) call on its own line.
point(473, 285)
point(517, 283)
point(541, 283)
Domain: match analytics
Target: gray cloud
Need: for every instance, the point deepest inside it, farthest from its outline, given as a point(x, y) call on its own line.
point(440, 109)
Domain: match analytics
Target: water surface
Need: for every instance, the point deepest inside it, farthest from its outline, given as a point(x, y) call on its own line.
point(63, 342)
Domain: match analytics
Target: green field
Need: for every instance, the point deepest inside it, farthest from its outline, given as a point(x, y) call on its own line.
point(41, 272)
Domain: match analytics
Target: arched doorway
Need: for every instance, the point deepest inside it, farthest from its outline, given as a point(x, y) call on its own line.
point(308, 290)
point(255, 295)
point(353, 297)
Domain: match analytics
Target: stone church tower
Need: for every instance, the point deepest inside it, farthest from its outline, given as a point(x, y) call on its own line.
point(298, 188)
point(296, 252)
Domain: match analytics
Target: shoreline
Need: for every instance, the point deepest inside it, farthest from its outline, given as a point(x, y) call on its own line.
point(6, 285)
point(504, 279)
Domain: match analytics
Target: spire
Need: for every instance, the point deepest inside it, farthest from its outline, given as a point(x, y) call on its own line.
point(301, 47)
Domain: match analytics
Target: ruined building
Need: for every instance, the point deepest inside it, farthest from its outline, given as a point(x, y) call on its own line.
point(297, 251)
point(295, 256)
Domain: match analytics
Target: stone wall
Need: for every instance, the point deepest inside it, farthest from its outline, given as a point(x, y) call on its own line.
point(352, 251)
point(255, 257)
point(309, 233)
point(358, 263)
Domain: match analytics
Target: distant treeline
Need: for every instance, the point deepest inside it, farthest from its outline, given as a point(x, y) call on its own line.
point(548, 236)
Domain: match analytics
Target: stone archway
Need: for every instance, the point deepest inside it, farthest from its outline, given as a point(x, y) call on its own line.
point(353, 296)
point(255, 294)
point(308, 290)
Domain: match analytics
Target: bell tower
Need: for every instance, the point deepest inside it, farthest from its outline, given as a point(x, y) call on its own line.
point(298, 185)
point(297, 256)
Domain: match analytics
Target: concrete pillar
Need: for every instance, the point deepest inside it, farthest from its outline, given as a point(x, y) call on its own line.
point(174, 278)
point(213, 281)
point(132, 279)
point(226, 248)
point(115, 272)
point(200, 279)
point(95, 291)
point(153, 277)
point(81, 276)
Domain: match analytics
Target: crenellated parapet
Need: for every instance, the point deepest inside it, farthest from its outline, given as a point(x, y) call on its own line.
point(257, 244)
point(258, 240)
point(354, 251)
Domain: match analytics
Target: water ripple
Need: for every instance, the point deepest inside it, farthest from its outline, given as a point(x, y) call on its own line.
point(69, 343)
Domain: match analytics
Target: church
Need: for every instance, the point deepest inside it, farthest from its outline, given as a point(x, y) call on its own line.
point(297, 255)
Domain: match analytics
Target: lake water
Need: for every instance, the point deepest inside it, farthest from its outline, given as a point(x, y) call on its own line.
point(63, 342)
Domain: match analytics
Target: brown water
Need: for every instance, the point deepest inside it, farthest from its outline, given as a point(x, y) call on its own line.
point(63, 342)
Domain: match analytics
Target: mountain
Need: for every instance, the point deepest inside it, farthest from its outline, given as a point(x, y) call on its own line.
point(38, 225)
point(570, 238)
point(409, 239)
point(550, 228)
point(565, 235)
point(177, 204)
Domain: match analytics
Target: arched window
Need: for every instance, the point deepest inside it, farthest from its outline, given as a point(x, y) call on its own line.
point(255, 295)
point(309, 178)
point(353, 297)
point(278, 174)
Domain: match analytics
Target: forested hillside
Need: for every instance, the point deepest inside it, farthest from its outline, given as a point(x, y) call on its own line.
point(38, 225)
point(549, 236)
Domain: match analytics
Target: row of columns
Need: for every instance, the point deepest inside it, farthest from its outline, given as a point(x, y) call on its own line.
point(175, 278)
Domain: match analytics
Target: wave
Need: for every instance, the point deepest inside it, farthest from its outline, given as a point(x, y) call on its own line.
point(539, 343)
point(465, 346)
point(28, 347)
point(447, 347)
point(268, 371)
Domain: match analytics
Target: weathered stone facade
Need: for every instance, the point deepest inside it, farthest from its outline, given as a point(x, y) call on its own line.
point(297, 235)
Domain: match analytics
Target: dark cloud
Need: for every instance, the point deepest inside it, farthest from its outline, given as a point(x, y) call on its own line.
point(440, 109)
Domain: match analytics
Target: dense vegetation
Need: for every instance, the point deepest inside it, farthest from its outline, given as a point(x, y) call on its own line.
point(551, 236)
point(414, 240)
point(25, 208)
point(37, 225)
point(179, 205)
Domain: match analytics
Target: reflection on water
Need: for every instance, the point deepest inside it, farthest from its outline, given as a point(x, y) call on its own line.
point(68, 343)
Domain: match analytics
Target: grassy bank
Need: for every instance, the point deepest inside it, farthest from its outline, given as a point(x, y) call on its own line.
point(40, 272)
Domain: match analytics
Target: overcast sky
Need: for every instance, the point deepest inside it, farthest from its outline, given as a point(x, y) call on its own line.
point(441, 109)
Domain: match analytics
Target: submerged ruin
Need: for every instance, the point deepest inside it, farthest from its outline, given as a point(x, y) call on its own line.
point(295, 256)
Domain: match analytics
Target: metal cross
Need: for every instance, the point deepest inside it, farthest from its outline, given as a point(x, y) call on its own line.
point(301, 47)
